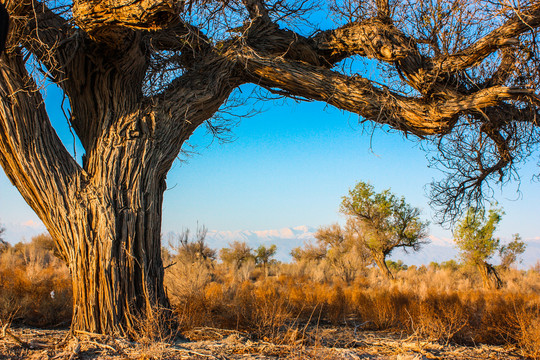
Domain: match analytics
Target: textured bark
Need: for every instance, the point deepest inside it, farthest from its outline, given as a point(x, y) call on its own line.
point(106, 215)
point(108, 20)
point(490, 277)
point(380, 260)
point(106, 221)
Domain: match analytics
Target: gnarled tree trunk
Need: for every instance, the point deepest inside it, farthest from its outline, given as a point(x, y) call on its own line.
point(117, 262)
point(105, 217)
point(106, 214)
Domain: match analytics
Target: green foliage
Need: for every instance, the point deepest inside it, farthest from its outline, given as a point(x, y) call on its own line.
point(264, 254)
point(383, 220)
point(396, 265)
point(509, 252)
point(236, 254)
point(474, 235)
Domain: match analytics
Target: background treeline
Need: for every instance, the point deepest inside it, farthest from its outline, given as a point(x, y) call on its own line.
point(246, 289)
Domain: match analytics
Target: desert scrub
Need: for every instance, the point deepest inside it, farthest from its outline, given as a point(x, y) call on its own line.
point(440, 303)
point(35, 285)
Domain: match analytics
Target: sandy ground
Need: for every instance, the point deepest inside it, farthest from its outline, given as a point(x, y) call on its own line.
point(209, 343)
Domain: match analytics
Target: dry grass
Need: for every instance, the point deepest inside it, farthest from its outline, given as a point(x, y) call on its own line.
point(35, 286)
point(441, 305)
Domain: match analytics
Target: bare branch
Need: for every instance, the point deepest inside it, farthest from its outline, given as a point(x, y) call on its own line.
point(503, 36)
point(48, 36)
point(178, 38)
point(192, 99)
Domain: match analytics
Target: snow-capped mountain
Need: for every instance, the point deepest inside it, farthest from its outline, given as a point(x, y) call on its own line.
point(285, 239)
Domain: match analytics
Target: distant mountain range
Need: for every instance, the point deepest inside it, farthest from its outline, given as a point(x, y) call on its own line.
point(286, 239)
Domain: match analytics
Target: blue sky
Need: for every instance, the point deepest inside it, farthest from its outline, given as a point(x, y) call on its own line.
point(288, 166)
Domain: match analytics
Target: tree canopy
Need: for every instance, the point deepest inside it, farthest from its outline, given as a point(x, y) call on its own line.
point(474, 235)
point(383, 222)
point(461, 73)
point(236, 254)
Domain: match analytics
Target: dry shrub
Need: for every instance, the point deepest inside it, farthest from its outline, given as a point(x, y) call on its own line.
point(439, 317)
point(35, 286)
point(154, 326)
point(528, 321)
point(378, 309)
point(438, 303)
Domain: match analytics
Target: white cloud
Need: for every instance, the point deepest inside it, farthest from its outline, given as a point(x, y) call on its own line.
point(33, 224)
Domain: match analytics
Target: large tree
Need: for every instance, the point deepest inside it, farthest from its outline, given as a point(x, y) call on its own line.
point(141, 75)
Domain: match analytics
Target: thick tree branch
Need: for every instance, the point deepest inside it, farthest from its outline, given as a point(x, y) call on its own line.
point(380, 40)
point(31, 153)
point(421, 116)
point(373, 38)
point(192, 99)
point(256, 9)
point(383, 9)
point(179, 37)
point(107, 20)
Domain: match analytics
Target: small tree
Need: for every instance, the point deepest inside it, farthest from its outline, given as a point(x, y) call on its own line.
point(195, 250)
point(383, 222)
point(263, 255)
point(236, 254)
point(510, 252)
point(344, 252)
point(474, 238)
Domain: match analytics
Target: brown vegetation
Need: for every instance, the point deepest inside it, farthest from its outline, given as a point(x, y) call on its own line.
point(443, 304)
point(35, 285)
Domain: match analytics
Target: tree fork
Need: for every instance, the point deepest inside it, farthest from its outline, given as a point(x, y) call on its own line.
point(106, 218)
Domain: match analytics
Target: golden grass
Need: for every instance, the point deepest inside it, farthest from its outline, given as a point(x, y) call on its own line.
point(438, 304)
point(35, 287)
